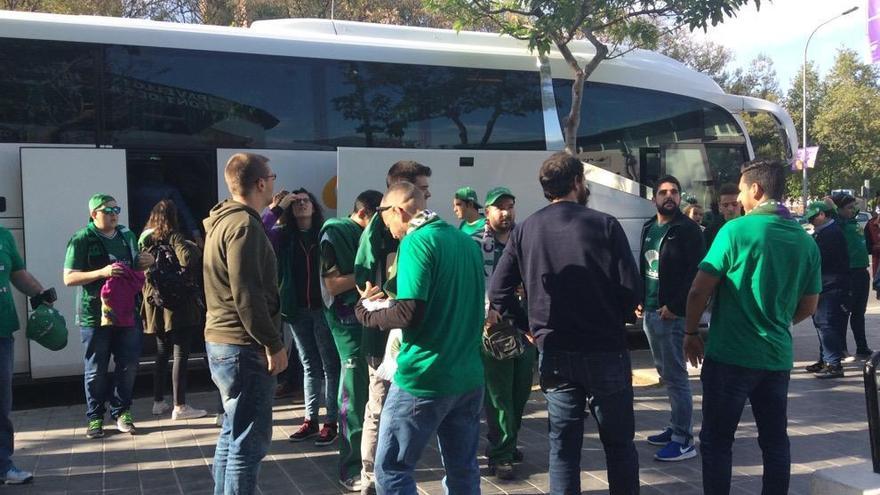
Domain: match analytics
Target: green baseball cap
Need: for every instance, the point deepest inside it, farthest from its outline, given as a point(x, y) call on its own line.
point(99, 199)
point(815, 208)
point(497, 193)
point(467, 194)
point(46, 326)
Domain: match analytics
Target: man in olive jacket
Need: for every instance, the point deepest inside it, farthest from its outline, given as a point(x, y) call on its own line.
point(242, 331)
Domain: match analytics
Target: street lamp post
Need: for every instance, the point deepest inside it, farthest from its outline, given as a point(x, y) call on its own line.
point(804, 109)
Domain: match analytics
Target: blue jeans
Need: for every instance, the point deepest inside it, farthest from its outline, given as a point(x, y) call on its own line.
point(725, 390)
point(602, 381)
point(830, 322)
point(320, 362)
point(124, 343)
point(246, 388)
point(7, 444)
point(408, 423)
point(666, 338)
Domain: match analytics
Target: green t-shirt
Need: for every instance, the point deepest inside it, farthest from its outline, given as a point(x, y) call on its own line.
point(470, 227)
point(90, 250)
point(10, 261)
point(652, 264)
point(441, 266)
point(855, 243)
point(766, 264)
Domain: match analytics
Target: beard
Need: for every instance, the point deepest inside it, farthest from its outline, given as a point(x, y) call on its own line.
point(502, 226)
point(583, 195)
point(667, 208)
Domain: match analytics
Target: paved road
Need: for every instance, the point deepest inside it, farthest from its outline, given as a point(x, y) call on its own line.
point(826, 422)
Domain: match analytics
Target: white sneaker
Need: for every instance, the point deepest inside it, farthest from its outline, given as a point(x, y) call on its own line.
point(161, 407)
point(16, 476)
point(187, 412)
point(351, 484)
point(218, 420)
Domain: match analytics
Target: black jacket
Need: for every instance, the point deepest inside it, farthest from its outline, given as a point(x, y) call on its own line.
point(835, 257)
point(580, 278)
point(681, 251)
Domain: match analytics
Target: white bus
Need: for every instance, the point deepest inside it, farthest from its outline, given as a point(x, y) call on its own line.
point(138, 109)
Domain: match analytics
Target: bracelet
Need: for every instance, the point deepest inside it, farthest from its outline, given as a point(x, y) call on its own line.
point(692, 333)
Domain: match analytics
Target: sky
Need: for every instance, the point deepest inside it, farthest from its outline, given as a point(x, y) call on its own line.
point(781, 28)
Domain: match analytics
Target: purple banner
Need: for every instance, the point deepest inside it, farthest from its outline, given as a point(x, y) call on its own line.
point(810, 158)
point(874, 29)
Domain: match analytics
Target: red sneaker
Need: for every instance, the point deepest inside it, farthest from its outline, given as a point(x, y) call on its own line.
point(327, 435)
point(308, 429)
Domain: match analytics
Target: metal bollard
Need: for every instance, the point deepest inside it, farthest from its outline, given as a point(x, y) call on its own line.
point(873, 408)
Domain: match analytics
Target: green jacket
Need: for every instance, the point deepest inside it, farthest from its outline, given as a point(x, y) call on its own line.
point(370, 266)
point(855, 243)
point(344, 235)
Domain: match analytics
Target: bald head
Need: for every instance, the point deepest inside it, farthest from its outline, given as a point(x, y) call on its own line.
point(405, 193)
point(401, 202)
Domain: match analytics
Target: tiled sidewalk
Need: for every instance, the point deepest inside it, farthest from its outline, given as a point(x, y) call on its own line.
point(827, 424)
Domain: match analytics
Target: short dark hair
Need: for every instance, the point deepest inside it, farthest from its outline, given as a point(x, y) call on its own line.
point(666, 179)
point(406, 170)
point(769, 174)
point(728, 189)
point(368, 200)
point(842, 199)
point(558, 175)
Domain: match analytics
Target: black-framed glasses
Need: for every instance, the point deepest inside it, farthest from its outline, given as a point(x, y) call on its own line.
point(270, 176)
point(111, 210)
point(383, 208)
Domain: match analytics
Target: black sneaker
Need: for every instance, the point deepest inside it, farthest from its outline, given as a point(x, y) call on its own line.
point(96, 428)
point(830, 371)
point(327, 435)
point(864, 354)
point(503, 470)
point(815, 367)
point(307, 430)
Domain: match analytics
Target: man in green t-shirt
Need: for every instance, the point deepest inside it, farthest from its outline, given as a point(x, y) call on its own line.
point(764, 271)
point(466, 209)
point(508, 381)
point(12, 273)
point(438, 386)
point(859, 277)
point(338, 241)
point(101, 250)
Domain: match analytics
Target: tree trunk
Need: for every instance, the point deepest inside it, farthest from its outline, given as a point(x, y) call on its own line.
point(572, 123)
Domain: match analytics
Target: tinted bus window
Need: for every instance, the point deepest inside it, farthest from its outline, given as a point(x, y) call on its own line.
point(48, 92)
point(186, 98)
point(622, 128)
point(418, 106)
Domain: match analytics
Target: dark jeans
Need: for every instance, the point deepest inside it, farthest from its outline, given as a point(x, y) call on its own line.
point(830, 322)
point(725, 390)
point(7, 444)
point(247, 389)
point(179, 339)
point(860, 281)
point(124, 343)
point(602, 381)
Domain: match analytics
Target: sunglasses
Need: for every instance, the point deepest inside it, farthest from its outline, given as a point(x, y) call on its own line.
point(110, 210)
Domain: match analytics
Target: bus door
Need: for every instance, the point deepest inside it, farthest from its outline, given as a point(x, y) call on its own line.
point(689, 163)
point(56, 186)
point(313, 170)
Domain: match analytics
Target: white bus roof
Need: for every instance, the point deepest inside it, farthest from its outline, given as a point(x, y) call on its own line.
point(346, 40)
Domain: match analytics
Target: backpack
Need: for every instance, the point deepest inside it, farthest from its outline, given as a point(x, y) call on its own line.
point(171, 285)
